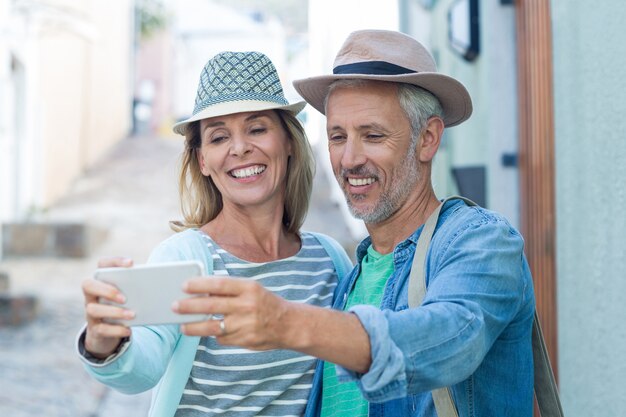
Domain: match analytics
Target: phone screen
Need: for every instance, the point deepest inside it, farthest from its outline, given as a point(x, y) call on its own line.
point(150, 291)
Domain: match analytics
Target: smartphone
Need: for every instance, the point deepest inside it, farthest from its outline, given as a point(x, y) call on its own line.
point(151, 289)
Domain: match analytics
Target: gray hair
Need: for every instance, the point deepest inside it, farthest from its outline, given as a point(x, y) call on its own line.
point(417, 103)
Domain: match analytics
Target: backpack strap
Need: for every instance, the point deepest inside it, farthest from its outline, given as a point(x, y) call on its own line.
point(442, 397)
point(417, 279)
point(546, 391)
point(545, 385)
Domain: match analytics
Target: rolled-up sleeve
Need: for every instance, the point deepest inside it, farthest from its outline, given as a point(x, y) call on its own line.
point(386, 376)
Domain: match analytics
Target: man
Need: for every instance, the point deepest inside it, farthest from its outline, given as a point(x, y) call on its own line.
point(386, 109)
point(473, 331)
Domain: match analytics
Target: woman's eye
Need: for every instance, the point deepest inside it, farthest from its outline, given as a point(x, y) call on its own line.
point(218, 138)
point(258, 130)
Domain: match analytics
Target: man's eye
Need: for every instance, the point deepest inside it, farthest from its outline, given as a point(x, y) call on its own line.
point(335, 138)
point(374, 136)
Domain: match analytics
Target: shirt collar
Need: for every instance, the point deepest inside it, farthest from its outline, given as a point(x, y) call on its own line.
point(361, 250)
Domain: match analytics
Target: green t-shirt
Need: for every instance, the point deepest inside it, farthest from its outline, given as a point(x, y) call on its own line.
point(345, 399)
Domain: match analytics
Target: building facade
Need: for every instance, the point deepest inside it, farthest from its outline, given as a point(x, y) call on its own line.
point(65, 95)
point(547, 82)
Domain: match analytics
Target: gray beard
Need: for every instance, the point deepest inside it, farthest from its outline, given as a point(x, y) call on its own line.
point(391, 199)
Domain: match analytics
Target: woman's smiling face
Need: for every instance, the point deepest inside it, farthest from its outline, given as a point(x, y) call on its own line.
point(246, 156)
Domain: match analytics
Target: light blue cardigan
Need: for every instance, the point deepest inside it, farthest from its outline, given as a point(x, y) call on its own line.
point(162, 357)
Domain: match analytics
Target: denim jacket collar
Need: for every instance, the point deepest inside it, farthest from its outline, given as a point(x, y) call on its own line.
point(400, 249)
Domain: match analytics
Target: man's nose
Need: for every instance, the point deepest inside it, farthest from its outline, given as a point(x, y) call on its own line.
point(353, 155)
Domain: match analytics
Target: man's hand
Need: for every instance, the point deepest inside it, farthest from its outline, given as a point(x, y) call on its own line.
point(252, 316)
point(256, 319)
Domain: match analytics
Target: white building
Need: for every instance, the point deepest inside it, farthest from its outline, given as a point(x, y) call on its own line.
point(65, 95)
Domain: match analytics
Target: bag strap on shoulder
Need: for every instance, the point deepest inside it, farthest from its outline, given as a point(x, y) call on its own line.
point(545, 385)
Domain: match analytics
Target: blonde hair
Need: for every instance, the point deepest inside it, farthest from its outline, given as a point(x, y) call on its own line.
point(201, 201)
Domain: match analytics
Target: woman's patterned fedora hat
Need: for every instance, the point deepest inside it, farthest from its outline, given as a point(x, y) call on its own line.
point(237, 82)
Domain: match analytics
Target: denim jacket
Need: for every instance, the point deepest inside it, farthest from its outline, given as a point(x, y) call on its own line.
point(471, 333)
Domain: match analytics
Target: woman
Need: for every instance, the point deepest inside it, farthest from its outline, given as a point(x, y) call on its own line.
point(245, 185)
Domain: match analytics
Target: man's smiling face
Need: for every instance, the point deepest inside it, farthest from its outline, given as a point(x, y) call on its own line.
point(372, 155)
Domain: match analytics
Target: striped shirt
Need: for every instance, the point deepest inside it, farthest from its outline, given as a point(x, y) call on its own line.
point(230, 381)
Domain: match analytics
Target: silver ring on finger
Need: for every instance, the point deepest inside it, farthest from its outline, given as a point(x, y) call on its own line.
point(222, 327)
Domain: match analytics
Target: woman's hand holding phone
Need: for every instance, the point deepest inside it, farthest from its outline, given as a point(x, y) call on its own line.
point(102, 337)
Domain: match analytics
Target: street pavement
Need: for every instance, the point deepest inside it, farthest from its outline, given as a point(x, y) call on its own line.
point(129, 197)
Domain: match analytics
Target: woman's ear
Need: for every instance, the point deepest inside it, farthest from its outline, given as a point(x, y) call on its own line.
point(202, 163)
point(288, 142)
point(431, 139)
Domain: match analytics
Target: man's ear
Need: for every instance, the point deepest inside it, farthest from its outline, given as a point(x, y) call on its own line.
point(431, 139)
